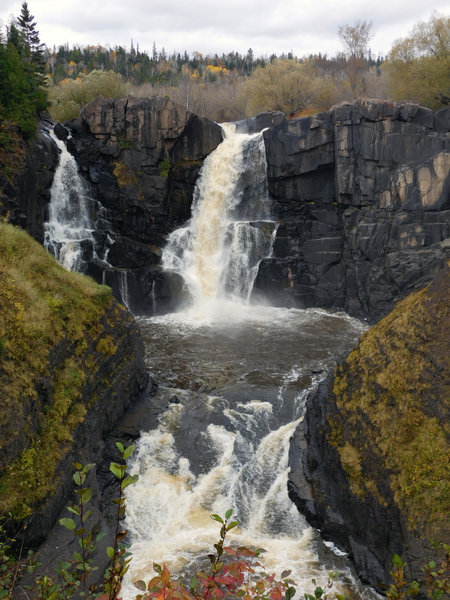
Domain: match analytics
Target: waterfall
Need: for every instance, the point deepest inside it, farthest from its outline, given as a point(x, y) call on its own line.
point(219, 250)
point(68, 232)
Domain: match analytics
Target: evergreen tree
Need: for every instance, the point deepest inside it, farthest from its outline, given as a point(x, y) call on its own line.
point(34, 50)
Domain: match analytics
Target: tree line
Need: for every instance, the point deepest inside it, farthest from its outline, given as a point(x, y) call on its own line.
point(228, 87)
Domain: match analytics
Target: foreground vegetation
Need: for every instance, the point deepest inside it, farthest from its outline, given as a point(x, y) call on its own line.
point(234, 572)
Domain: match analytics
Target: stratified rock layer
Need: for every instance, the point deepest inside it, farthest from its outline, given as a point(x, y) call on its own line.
point(370, 463)
point(362, 194)
point(141, 158)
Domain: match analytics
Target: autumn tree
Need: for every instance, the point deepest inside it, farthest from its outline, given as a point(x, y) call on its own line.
point(355, 39)
point(418, 66)
point(70, 95)
point(289, 86)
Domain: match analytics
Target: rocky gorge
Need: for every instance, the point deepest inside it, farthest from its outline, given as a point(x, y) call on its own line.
point(361, 195)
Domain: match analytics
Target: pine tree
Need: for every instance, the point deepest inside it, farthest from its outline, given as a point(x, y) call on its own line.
point(33, 47)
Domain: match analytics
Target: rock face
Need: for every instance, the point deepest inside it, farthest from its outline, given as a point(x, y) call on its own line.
point(71, 362)
point(369, 465)
point(141, 158)
point(26, 175)
point(362, 194)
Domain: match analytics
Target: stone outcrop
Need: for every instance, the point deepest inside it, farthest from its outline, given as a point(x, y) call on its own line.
point(141, 158)
point(369, 464)
point(362, 194)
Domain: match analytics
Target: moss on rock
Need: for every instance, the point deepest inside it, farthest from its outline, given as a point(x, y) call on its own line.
point(392, 396)
point(60, 332)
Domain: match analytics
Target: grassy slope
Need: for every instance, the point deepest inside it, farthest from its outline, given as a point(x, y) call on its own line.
point(44, 311)
point(393, 396)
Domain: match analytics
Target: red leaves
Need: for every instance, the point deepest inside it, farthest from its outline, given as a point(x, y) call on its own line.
point(242, 577)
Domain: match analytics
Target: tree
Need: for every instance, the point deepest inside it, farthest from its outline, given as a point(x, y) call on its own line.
point(33, 48)
point(418, 66)
point(355, 39)
point(288, 86)
point(21, 93)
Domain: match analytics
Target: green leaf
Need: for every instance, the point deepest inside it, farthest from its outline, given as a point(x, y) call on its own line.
point(285, 574)
point(74, 509)
point(128, 451)
point(397, 561)
point(129, 480)
point(217, 518)
point(110, 552)
point(86, 496)
point(228, 513)
point(79, 478)
point(68, 524)
point(119, 447)
point(232, 525)
point(289, 593)
point(193, 584)
point(140, 585)
point(117, 469)
point(100, 536)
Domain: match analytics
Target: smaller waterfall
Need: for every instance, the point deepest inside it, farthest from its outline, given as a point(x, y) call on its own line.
point(68, 232)
point(218, 252)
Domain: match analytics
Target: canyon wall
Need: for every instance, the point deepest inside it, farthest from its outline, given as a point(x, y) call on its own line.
point(71, 363)
point(362, 194)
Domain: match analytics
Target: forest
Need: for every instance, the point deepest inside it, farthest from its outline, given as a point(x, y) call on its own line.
point(222, 88)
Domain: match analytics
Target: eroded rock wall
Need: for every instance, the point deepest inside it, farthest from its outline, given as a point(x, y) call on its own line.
point(362, 194)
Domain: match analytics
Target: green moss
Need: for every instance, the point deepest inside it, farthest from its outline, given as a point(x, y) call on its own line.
point(164, 167)
point(105, 345)
point(391, 395)
point(49, 319)
point(124, 175)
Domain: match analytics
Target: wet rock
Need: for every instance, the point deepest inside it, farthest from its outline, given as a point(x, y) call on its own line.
point(362, 194)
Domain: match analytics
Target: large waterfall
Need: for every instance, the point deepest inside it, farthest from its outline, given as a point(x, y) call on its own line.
point(218, 252)
point(233, 378)
point(68, 232)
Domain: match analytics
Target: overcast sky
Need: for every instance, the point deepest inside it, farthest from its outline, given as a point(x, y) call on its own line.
point(216, 26)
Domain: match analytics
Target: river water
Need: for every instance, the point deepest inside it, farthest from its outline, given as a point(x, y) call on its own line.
point(232, 390)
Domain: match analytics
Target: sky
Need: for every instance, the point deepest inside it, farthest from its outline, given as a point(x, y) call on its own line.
point(216, 26)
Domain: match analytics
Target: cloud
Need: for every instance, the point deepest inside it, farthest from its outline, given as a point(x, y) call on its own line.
point(208, 26)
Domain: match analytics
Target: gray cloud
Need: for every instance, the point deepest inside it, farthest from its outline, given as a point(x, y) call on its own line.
point(208, 26)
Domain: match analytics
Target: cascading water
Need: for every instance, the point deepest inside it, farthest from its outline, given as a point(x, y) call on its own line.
point(233, 379)
point(68, 232)
point(218, 252)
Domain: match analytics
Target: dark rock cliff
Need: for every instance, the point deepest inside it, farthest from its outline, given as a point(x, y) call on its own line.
point(141, 158)
point(26, 175)
point(362, 194)
point(369, 464)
